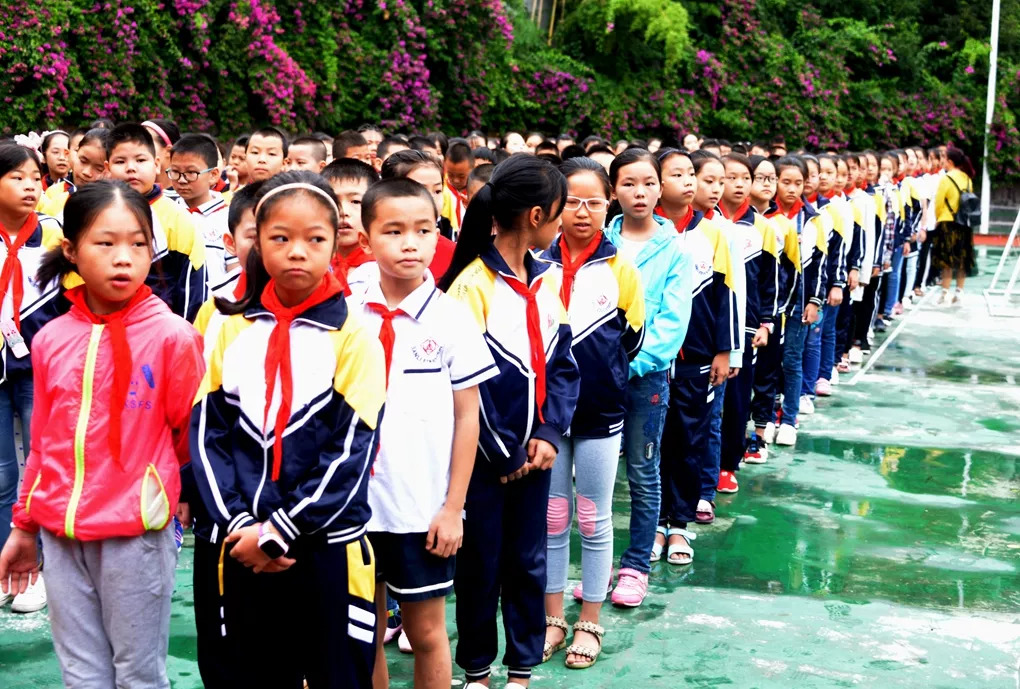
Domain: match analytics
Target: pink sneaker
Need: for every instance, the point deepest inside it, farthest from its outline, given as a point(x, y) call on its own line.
point(579, 591)
point(631, 588)
point(823, 388)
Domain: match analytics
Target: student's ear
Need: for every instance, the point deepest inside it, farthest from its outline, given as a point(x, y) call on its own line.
point(214, 175)
point(70, 253)
point(228, 243)
point(106, 167)
point(363, 242)
point(322, 166)
point(377, 164)
point(535, 216)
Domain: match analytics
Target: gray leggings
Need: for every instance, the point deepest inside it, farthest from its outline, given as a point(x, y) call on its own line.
point(591, 463)
point(109, 604)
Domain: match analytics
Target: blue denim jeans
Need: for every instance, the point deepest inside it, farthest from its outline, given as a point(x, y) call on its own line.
point(892, 294)
point(829, 325)
point(793, 365)
point(812, 355)
point(711, 463)
point(15, 397)
point(647, 402)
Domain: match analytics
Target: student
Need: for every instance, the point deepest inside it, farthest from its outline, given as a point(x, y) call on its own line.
point(388, 147)
point(526, 409)
point(602, 154)
point(514, 143)
point(649, 240)
point(164, 134)
point(953, 246)
point(266, 154)
point(87, 164)
point(427, 170)
point(875, 216)
point(605, 304)
point(802, 296)
point(350, 179)
point(94, 528)
point(893, 220)
point(436, 359)
point(76, 136)
point(178, 259)
point(351, 144)
point(711, 353)
point(478, 178)
point(852, 218)
point(237, 163)
point(457, 166)
point(56, 162)
point(759, 256)
point(25, 306)
point(194, 169)
point(307, 153)
point(373, 136)
point(290, 510)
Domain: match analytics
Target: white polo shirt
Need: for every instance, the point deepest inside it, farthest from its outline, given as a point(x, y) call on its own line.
point(438, 348)
point(210, 220)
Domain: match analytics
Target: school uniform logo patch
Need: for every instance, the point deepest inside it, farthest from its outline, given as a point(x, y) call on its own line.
point(602, 303)
point(427, 351)
point(703, 267)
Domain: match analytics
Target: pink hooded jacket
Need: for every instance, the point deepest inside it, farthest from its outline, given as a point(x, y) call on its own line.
point(73, 487)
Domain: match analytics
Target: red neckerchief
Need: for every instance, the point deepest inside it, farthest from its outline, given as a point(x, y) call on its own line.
point(122, 364)
point(570, 268)
point(681, 226)
point(710, 213)
point(461, 198)
point(535, 343)
point(740, 211)
point(12, 264)
point(342, 265)
point(241, 286)
point(813, 198)
point(278, 354)
point(833, 193)
point(386, 335)
point(792, 213)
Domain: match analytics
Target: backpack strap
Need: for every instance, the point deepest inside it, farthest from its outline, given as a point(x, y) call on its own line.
point(958, 191)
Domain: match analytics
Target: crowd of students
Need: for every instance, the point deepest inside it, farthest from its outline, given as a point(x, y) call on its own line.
point(370, 371)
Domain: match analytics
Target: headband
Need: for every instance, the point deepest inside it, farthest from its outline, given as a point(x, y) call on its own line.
point(297, 185)
point(159, 130)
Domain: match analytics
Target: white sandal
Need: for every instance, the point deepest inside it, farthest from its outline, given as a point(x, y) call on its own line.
point(656, 547)
point(683, 548)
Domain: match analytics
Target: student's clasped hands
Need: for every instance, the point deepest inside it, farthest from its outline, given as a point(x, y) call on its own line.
point(541, 457)
point(246, 551)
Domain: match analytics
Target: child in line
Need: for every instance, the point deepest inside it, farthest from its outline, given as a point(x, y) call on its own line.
point(178, 257)
point(194, 170)
point(164, 135)
point(605, 303)
point(282, 459)
point(479, 176)
point(25, 306)
point(237, 163)
point(56, 162)
point(351, 144)
point(436, 359)
point(266, 154)
point(350, 179)
point(526, 409)
point(650, 242)
point(307, 153)
point(457, 166)
point(122, 350)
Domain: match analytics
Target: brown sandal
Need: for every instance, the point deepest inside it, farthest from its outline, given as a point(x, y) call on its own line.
point(549, 650)
point(591, 654)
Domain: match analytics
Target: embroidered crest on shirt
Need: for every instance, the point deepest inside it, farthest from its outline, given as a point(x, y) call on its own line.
point(703, 267)
point(427, 351)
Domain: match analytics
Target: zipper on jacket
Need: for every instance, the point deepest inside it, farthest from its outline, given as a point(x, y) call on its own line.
point(82, 427)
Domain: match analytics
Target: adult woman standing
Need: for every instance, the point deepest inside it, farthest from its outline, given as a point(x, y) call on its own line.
point(953, 245)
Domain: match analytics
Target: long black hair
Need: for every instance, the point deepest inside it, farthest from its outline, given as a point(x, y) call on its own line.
point(518, 184)
point(577, 165)
point(13, 156)
point(256, 276)
point(80, 212)
point(46, 144)
point(630, 156)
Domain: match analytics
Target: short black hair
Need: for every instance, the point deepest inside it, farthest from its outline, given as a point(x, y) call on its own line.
point(395, 188)
point(572, 151)
point(349, 168)
point(564, 137)
point(482, 173)
point(241, 141)
point(460, 152)
point(600, 148)
point(318, 148)
point(440, 141)
point(547, 145)
point(130, 133)
point(347, 140)
point(420, 143)
point(274, 133)
point(243, 200)
point(402, 163)
point(201, 145)
point(386, 144)
point(483, 152)
point(369, 128)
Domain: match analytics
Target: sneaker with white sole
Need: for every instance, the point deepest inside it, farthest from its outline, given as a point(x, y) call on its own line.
point(579, 589)
point(33, 599)
point(769, 434)
point(807, 405)
point(834, 378)
point(844, 365)
point(856, 355)
point(786, 435)
point(823, 388)
point(757, 452)
point(727, 482)
point(5, 598)
point(631, 588)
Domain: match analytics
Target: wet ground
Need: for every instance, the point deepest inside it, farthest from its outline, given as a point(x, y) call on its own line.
point(884, 550)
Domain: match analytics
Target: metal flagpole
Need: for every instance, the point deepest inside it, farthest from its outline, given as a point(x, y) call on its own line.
point(993, 60)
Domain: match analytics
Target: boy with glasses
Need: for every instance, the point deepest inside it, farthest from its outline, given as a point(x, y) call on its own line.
point(194, 171)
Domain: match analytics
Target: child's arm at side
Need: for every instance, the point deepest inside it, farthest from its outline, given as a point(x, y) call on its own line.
point(41, 403)
point(446, 533)
point(186, 365)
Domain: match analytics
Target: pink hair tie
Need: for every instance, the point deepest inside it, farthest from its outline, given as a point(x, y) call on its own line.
point(159, 130)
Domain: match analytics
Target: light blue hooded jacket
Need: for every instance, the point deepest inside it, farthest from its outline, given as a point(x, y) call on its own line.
point(667, 278)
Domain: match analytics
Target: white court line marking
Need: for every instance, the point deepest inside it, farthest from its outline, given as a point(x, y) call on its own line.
point(889, 340)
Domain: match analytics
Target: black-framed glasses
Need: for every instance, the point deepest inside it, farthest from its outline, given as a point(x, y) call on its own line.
point(189, 176)
point(765, 179)
point(595, 205)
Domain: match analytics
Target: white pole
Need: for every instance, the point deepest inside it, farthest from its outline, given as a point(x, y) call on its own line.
point(993, 60)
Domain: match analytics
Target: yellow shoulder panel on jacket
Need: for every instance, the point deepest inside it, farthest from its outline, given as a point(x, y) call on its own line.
point(837, 220)
point(180, 232)
point(769, 242)
point(213, 378)
point(360, 376)
point(791, 247)
point(474, 288)
point(821, 240)
point(721, 262)
point(632, 293)
point(205, 314)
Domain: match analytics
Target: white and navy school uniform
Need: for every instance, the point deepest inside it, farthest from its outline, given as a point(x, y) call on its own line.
point(769, 359)
point(210, 220)
point(504, 550)
point(437, 350)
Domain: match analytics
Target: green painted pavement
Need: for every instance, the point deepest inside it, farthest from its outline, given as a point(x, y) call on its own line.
point(883, 551)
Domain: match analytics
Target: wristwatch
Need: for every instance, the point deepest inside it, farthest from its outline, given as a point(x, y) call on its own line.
point(271, 544)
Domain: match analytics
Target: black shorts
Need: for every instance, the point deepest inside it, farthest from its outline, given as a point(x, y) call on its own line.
point(411, 573)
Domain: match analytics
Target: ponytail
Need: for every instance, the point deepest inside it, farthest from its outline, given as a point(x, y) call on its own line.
point(53, 266)
point(256, 277)
point(475, 235)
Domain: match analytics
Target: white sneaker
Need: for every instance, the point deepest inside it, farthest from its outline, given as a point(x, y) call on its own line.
point(403, 643)
point(856, 356)
point(834, 379)
point(770, 433)
point(5, 598)
point(807, 406)
point(787, 435)
point(33, 599)
point(475, 685)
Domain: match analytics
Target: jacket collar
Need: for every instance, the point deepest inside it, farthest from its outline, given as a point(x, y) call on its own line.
point(329, 315)
point(606, 249)
point(414, 304)
point(494, 261)
point(665, 234)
